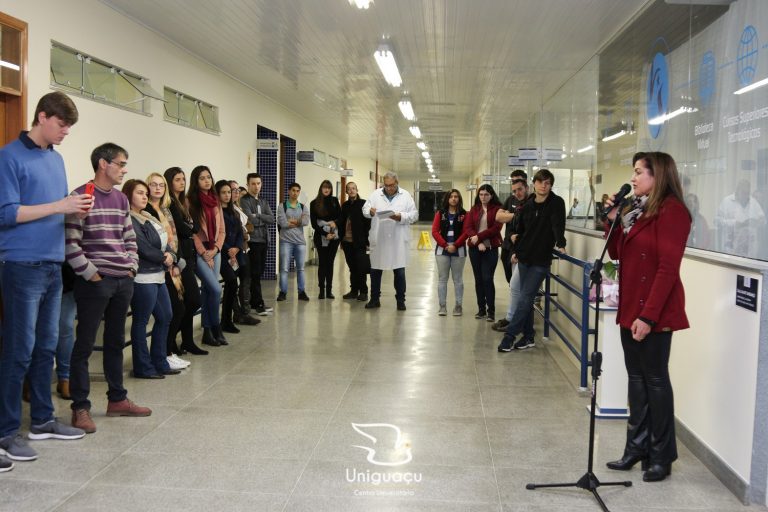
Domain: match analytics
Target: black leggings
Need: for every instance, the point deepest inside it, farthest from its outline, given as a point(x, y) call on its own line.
point(326, 256)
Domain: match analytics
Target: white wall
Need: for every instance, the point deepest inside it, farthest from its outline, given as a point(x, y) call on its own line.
point(153, 143)
point(714, 363)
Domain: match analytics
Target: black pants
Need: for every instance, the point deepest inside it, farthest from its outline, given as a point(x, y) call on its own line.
point(191, 305)
point(359, 265)
point(177, 308)
point(108, 298)
point(326, 256)
point(506, 262)
point(244, 288)
point(228, 301)
point(257, 259)
point(483, 267)
point(651, 426)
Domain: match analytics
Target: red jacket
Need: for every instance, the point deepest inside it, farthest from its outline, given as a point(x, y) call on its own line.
point(472, 224)
point(649, 268)
point(460, 238)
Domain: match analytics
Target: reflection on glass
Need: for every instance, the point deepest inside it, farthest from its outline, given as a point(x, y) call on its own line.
point(10, 59)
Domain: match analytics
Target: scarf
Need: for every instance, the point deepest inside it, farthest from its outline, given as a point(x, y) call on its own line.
point(635, 211)
point(210, 204)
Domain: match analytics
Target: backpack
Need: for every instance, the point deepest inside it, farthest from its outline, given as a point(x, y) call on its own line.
point(285, 209)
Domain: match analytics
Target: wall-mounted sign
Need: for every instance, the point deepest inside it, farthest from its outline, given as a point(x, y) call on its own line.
point(746, 292)
point(515, 161)
point(267, 144)
point(433, 180)
point(528, 153)
point(472, 187)
point(305, 156)
point(553, 155)
point(435, 187)
point(347, 172)
point(487, 177)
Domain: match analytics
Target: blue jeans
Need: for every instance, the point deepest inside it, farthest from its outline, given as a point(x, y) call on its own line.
point(210, 291)
point(150, 299)
point(514, 299)
point(455, 266)
point(299, 254)
point(399, 283)
point(531, 277)
point(483, 267)
point(66, 335)
point(32, 303)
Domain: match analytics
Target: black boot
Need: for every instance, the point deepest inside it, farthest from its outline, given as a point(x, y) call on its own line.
point(229, 327)
point(628, 461)
point(208, 338)
point(328, 293)
point(189, 346)
point(219, 335)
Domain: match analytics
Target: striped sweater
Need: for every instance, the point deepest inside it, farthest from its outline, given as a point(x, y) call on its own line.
point(104, 241)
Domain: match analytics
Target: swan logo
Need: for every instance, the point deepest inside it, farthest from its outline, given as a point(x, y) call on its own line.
point(397, 453)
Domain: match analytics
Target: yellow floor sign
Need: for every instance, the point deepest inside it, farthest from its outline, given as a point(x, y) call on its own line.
point(424, 242)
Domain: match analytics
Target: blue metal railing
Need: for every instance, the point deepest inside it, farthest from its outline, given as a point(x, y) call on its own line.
point(581, 321)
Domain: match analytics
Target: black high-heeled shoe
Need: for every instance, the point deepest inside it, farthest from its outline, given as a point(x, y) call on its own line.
point(657, 472)
point(627, 462)
point(192, 349)
point(208, 338)
point(219, 335)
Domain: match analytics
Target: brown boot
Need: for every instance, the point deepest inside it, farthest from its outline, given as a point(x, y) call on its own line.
point(127, 408)
point(81, 418)
point(62, 388)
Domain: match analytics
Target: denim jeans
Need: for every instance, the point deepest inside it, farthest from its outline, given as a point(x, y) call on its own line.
point(483, 267)
point(32, 303)
point(150, 299)
point(399, 283)
point(66, 335)
point(210, 291)
point(531, 277)
point(108, 299)
point(299, 253)
point(455, 266)
point(514, 299)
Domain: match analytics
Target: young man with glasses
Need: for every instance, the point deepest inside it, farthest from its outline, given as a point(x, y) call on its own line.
point(102, 250)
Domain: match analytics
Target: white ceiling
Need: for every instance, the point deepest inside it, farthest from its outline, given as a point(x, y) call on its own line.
point(475, 69)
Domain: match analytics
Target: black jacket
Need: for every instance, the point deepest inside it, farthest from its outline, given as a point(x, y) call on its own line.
point(185, 228)
point(353, 211)
point(151, 252)
point(332, 213)
point(541, 228)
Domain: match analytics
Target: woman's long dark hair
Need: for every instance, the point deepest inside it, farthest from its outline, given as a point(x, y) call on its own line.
point(179, 201)
point(489, 189)
point(319, 202)
point(228, 208)
point(195, 208)
point(446, 197)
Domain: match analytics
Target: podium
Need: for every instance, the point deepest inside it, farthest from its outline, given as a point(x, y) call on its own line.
point(612, 386)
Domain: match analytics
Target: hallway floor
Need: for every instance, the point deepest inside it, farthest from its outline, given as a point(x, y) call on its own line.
point(326, 392)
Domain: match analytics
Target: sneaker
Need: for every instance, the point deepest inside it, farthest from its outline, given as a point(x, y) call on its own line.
point(5, 465)
point(480, 314)
point(127, 408)
point(260, 311)
point(401, 306)
point(174, 364)
point(54, 429)
point(443, 311)
point(81, 418)
point(15, 447)
point(179, 360)
point(351, 295)
point(374, 303)
point(505, 345)
point(523, 344)
point(457, 310)
point(501, 325)
point(363, 297)
point(267, 309)
point(303, 296)
point(280, 297)
point(491, 317)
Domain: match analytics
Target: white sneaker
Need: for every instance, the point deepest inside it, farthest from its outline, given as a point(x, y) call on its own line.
point(182, 361)
point(174, 364)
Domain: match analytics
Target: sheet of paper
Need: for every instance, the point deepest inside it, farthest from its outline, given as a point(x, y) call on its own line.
point(384, 213)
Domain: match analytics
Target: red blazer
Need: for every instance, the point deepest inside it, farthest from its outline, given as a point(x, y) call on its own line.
point(472, 224)
point(438, 236)
point(649, 268)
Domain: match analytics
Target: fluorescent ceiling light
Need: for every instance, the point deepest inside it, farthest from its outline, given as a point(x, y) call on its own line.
point(666, 117)
point(361, 4)
point(585, 148)
point(10, 65)
point(386, 61)
point(428, 161)
point(752, 87)
point(407, 109)
point(415, 131)
point(421, 145)
point(425, 154)
point(615, 135)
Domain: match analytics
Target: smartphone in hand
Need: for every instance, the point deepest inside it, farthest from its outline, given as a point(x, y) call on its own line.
point(89, 189)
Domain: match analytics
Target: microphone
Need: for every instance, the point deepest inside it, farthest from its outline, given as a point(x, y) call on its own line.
point(623, 191)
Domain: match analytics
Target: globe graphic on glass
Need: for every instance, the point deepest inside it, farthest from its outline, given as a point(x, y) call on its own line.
point(746, 57)
point(707, 78)
point(657, 92)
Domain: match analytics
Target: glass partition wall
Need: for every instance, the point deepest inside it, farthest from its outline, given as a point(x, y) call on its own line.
point(689, 80)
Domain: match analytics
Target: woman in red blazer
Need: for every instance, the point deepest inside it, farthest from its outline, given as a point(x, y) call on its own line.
point(649, 243)
point(483, 235)
point(450, 253)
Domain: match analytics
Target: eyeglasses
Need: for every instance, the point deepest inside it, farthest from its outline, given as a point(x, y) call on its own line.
point(157, 185)
point(121, 164)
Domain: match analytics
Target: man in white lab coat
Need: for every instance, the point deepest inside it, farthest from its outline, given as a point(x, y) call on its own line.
point(392, 211)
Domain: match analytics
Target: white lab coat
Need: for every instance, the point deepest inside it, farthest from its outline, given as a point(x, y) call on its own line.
point(390, 241)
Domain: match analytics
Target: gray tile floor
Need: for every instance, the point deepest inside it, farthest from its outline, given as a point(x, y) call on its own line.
point(266, 423)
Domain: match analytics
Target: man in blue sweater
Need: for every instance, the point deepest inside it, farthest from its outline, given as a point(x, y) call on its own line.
point(33, 201)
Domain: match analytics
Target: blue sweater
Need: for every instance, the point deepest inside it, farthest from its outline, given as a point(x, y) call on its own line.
point(30, 176)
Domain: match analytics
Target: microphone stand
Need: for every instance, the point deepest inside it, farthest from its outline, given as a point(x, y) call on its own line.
point(589, 481)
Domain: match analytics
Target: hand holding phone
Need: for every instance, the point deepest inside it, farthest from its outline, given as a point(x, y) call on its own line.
point(89, 189)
